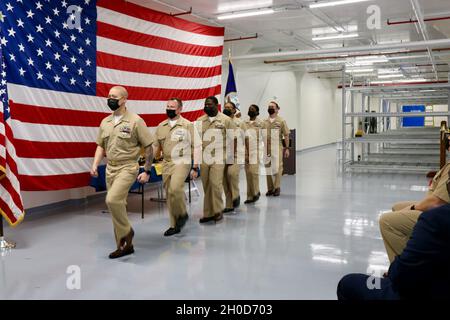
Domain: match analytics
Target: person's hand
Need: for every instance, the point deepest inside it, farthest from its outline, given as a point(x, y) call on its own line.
point(143, 177)
point(194, 174)
point(94, 172)
point(286, 153)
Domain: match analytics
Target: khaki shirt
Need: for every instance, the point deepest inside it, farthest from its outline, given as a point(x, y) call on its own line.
point(252, 132)
point(123, 141)
point(222, 123)
point(278, 124)
point(438, 186)
point(175, 140)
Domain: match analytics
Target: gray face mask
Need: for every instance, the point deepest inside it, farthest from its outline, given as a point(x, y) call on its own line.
point(113, 104)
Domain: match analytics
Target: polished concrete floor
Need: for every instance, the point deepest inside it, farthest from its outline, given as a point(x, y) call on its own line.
point(296, 246)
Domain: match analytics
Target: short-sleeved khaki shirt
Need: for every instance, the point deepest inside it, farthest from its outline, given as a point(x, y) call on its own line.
point(123, 141)
point(222, 123)
point(438, 186)
point(252, 134)
point(278, 124)
point(180, 136)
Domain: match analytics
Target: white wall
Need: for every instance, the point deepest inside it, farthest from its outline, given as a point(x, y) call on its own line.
point(308, 104)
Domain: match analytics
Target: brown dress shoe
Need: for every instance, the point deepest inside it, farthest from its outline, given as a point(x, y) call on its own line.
point(121, 252)
point(276, 193)
point(207, 219)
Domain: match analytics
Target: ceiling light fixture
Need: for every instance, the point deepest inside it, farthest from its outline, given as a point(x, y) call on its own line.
point(334, 3)
point(243, 14)
point(339, 36)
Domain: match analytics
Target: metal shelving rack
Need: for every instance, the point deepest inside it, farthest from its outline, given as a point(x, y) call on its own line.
point(403, 150)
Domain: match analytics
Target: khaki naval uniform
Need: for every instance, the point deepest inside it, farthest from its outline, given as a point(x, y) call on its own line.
point(231, 172)
point(122, 143)
point(253, 156)
point(177, 145)
point(396, 227)
point(212, 173)
point(274, 177)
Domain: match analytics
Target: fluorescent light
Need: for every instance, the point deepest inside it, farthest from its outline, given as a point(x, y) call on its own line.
point(334, 3)
point(245, 14)
point(339, 36)
point(368, 61)
point(328, 30)
point(390, 76)
point(243, 5)
point(359, 70)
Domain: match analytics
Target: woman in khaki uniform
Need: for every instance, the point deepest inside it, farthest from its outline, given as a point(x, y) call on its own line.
point(231, 174)
point(121, 137)
point(252, 129)
point(275, 124)
point(396, 227)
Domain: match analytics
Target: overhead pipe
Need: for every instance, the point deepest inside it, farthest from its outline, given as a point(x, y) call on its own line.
point(395, 84)
point(241, 38)
point(441, 43)
point(410, 21)
point(351, 56)
point(181, 13)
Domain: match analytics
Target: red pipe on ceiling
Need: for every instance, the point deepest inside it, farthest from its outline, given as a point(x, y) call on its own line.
point(350, 56)
point(415, 21)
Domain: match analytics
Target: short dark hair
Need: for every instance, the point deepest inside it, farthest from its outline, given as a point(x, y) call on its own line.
point(178, 100)
point(230, 102)
point(255, 106)
point(278, 107)
point(213, 99)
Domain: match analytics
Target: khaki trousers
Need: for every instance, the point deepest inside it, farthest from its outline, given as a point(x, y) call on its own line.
point(274, 179)
point(396, 227)
point(231, 183)
point(119, 179)
point(174, 177)
point(212, 180)
point(252, 176)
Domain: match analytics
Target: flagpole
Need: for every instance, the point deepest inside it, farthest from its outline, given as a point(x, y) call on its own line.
point(4, 244)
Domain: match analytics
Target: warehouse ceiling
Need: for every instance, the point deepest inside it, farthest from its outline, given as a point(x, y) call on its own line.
point(295, 26)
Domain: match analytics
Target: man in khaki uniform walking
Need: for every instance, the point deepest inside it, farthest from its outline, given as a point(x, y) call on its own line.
point(175, 141)
point(252, 129)
point(275, 125)
point(121, 137)
point(213, 132)
point(397, 226)
point(231, 174)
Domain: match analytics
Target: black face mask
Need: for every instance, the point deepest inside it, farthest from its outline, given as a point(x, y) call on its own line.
point(113, 104)
point(271, 111)
point(252, 114)
point(171, 113)
point(211, 111)
point(227, 112)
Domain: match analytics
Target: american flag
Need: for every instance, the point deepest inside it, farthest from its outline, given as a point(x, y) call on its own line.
point(62, 58)
point(11, 206)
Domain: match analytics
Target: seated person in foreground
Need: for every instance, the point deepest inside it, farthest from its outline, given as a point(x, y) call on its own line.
point(396, 226)
point(421, 271)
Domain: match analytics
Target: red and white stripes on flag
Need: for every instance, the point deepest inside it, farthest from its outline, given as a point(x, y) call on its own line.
point(155, 56)
point(11, 206)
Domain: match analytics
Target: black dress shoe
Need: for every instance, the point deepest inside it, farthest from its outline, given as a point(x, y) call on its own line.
point(171, 231)
point(269, 193)
point(256, 198)
point(276, 193)
point(218, 217)
point(121, 252)
point(181, 221)
point(207, 219)
point(248, 201)
point(226, 210)
point(237, 202)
